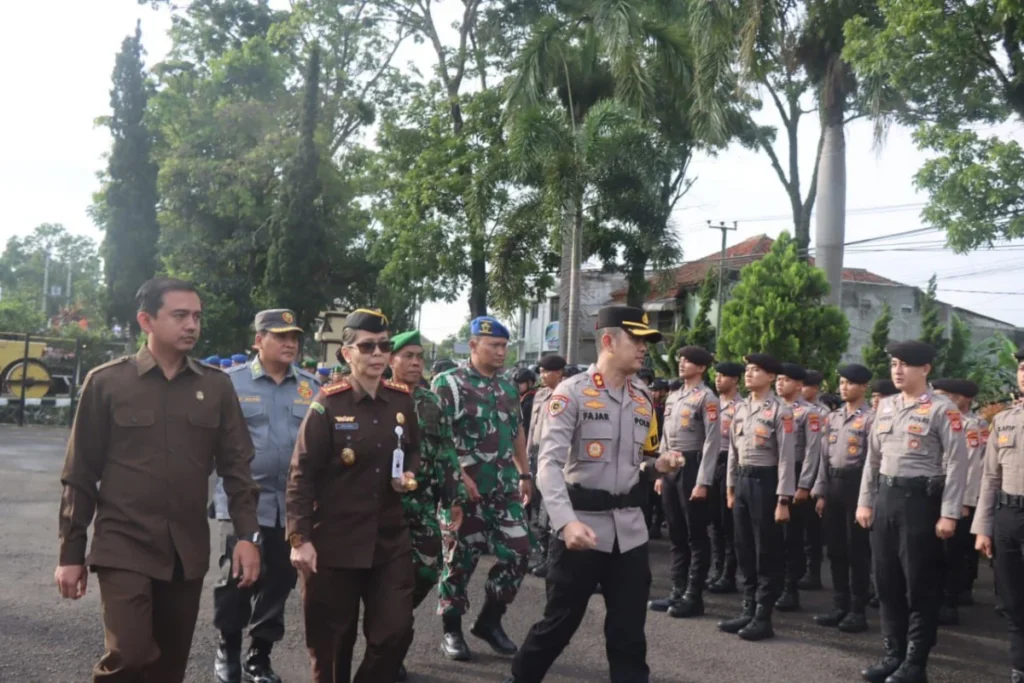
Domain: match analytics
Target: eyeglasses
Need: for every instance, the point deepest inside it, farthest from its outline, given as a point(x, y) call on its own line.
point(366, 347)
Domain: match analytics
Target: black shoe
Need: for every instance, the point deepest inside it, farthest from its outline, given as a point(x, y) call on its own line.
point(540, 570)
point(488, 629)
point(760, 627)
point(454, 646)
point(227, 665)
point(831, 619)
point(724, 586)
point(948, 616)
point(877, 673)
point(402, 674)
point(811, 581)
point(713, 578)
point(909, 672)
point(663, 604)
point(690, 605)
point(873, 602)
point(257, 667)
point(790, 600)
point(854, 622)
point(1001, 611)
point(597, 590)
point(1017, 676)
point(735, 625)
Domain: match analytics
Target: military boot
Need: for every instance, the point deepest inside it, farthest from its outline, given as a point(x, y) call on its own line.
point(811, 580)
point(855, 621)
point(690, 605)
point(877, 673)
point(1017, 676)
point(912, 670)
point(726, 584)
point(488, 628)
point(840, 608)
point(790, 599)
point(663, 604)
point(257, 664)
point(734, 625)
point(453, 643)
point(227, 665)
point(760, 627)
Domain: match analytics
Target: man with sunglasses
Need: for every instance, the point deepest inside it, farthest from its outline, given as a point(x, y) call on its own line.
point(439, 479)
point(483, 405)
point(356, 454)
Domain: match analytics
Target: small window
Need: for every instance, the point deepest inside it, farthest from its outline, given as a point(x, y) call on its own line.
point(553, 313)
point(533, 312)
point(906, 310)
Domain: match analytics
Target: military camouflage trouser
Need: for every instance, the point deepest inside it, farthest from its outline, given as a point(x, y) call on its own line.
point(425, 534)
point(496, 523)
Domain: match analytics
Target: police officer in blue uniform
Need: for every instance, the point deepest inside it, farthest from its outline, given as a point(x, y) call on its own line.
point(275, 395)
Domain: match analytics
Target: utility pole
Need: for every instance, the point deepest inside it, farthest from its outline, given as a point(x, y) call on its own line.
point(46, 278)
point(721, 275)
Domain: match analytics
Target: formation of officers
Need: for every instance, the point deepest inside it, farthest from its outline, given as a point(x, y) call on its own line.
point(371, 492)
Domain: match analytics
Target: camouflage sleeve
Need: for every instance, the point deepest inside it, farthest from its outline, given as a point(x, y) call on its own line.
point(447, 471)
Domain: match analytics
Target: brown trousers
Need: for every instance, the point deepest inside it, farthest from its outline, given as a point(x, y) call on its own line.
point(330, 605)
point(148, 626)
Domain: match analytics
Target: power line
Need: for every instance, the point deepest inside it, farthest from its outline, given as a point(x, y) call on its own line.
point(861, 211)
point(980, 291)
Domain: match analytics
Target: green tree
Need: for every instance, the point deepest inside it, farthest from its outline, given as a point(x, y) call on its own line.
point(296, 275)
point(665, 365)
point(933, 330)
point(956, 66)
point(777, 307)
point(956, 362)
point(875, 358)
point(703, 332)
point(125, 209)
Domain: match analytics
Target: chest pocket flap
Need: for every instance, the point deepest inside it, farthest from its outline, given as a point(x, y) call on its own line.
point(596, 442)
point(883, 427)
point(252, 410)
point(133, 417)
point(299, 411)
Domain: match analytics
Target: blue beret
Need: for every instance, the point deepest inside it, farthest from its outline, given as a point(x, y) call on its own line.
point(323, 372)
point(239, 358)
point(212, 360)
point(486, 326)
point(225, 363)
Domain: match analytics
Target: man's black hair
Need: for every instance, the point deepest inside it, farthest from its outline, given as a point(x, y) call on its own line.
point(150, 296)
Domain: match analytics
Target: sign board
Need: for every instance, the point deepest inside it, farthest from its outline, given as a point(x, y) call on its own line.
point(551, 336)
point(462, 348)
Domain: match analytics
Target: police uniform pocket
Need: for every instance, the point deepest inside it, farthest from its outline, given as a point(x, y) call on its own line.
point(258, 422)
point(133, 417)
point(596, 442)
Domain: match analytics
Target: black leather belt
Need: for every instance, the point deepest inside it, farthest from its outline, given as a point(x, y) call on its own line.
point(599, 500)
point(1010, 500)
point(931, 486)
point(757, 471)
point(851, 472)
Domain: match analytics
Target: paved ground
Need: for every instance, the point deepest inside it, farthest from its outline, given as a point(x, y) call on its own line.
point(45, 640)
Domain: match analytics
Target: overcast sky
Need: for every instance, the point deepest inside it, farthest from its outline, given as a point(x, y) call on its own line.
point(58, 73)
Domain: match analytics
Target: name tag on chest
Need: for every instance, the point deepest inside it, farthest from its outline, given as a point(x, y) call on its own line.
point(346, 427)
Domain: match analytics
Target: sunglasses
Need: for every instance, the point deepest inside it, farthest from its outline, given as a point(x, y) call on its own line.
point(366, 347)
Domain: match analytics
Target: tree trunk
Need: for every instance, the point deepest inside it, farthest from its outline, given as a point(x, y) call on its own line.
point(636, 283)
point(565, 278)
point(477, 274)
point(575, 314)
point(830, 221)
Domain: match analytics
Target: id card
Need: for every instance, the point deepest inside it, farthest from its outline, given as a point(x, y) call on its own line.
point(397, 463)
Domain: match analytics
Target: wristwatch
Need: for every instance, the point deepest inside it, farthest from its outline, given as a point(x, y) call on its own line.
point(256, 538)
point(526, 477)
point(784, 502)
point(295, 540)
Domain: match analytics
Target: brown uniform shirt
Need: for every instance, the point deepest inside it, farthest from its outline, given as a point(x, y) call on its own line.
point(150, 444)
point(1003, 467)
point(339, 493)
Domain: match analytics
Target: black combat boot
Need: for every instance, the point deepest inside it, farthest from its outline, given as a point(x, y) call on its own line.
point(453, 644)
point(840, 608)
point(540, 570)
point(257, 664)
point(912, 670)
point(690, 605)
point(662, 604)
point(227, 666)
point(811, 580)
point(734, 625)
point(760, 627)
point(488, 629)
point(790, 599)
point(1017, 676)
point(894, 652)
point(727, 583)
point(855, 621)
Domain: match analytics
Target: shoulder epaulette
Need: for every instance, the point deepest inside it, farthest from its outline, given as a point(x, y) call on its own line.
point(336, 388)
point(397, 386)
point(110, 364)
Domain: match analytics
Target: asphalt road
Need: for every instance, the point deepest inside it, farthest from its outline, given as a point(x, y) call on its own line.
point(44, 639)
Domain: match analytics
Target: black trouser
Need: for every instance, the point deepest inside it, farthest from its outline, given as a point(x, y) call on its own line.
point(813, 536)
point(1009, 537)
point(794, 532)
point(723, 549)
point(906, 555)
point(625, 579)
point(849, 544)
point(957, 555)
point(759, 537)
point(539, 515)
point(689, 544)
point(260, 606)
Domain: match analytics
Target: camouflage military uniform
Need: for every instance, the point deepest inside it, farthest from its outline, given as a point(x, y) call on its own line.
point(440, 483)
point(485, 417)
